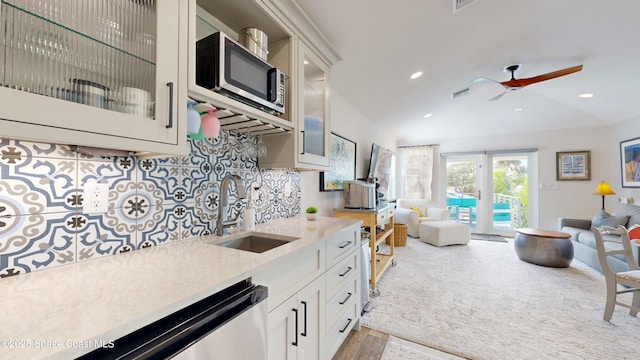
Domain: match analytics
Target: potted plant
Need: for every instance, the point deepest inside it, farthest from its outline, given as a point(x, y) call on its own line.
point(312, 213)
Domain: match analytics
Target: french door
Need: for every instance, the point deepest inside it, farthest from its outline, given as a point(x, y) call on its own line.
point(490, 192)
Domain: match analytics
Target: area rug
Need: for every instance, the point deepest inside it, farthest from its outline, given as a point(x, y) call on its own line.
point(399, 349)
point(488, 237)
point(481, 302)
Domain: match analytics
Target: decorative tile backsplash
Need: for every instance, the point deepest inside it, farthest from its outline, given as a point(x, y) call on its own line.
point(151, 201)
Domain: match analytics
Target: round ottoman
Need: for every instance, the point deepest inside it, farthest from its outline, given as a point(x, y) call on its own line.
point(544, 247)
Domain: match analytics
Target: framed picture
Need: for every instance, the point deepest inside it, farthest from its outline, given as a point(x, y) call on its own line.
point(343, 164)
point(629, 163)
point(573, 165)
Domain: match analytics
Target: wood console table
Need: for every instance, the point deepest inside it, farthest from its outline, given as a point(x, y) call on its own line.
point(371, 218)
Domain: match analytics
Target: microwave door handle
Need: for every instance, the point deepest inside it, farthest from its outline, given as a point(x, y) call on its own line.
point(272, 84)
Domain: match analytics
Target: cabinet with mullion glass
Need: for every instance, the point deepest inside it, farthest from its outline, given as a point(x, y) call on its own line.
point(97, 73)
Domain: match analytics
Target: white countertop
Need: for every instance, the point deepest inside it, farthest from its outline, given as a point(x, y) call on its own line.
point(55, 313)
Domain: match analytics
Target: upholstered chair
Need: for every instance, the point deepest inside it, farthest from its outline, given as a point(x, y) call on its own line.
point(412, 212)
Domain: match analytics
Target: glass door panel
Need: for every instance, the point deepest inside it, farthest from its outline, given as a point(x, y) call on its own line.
point(463, 189)
point(97, 53)
point(314, 101)
point(489, 192)
point(510, 198)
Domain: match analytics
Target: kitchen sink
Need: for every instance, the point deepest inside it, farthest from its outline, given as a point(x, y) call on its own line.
point(258, 242)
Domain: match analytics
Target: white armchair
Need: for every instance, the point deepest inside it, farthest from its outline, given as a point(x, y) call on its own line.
point(405, 215)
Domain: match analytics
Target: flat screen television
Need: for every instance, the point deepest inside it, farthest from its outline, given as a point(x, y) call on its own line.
point(381, 166)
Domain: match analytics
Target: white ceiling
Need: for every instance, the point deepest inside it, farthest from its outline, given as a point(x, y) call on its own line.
point(382, 42)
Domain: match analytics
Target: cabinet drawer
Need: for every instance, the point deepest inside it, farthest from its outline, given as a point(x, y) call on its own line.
point(287, 276)
point(342, 300)
point(341, 243)
point(339, 331)
point(382, 218)
point(338, 275)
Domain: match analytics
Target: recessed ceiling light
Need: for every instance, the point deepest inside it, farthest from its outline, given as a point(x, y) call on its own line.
point(586, 95)
point(306, 62)
point(518, 109)
point(416, 75)
point(428, 115)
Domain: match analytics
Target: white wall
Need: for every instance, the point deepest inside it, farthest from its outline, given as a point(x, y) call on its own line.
point(350, 123)
point(557, 198)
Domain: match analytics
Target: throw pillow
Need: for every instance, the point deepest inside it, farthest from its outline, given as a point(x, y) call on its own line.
point(603, 218)
point(634, 232)
point(417, 210)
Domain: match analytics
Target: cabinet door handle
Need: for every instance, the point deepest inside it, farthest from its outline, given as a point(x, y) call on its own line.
point(302, 131)
point(346, 271)
point(170, 85)
point(346, 326)
point(345, 299)
point(304, 331)
point(345, 244)
point(295, 342)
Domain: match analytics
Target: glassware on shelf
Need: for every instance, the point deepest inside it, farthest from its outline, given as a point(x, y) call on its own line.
point(98, 53)
point(262, 148)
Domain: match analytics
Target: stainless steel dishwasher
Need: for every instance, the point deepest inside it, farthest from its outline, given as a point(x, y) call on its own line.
point(231, 324)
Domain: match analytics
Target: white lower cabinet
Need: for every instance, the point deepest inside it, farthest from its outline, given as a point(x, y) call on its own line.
point(297, 326)
point(343, 288)
point(313, 297)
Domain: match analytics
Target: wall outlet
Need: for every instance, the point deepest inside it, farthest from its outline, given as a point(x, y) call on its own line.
point(96, 198)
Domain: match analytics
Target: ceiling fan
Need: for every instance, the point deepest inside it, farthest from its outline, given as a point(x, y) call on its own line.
point(515, 84)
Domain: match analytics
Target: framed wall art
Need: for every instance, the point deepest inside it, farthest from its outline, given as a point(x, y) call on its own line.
point(573, 165)
point(629, 163)
point(343, 164)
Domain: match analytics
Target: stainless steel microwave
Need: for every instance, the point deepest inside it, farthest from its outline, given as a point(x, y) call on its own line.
point(225, 66)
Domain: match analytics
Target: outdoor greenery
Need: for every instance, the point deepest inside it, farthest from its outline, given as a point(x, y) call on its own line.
point(509, 178)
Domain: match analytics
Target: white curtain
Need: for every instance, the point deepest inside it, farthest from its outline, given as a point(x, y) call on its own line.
point(416, 171)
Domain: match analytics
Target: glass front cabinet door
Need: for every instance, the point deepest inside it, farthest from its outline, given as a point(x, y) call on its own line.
point(96, 73)
point(313, 116)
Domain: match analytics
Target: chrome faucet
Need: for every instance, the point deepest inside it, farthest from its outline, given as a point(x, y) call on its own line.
point(221, 225)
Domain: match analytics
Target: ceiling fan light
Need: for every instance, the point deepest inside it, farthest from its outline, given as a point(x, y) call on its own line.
point(415, 75)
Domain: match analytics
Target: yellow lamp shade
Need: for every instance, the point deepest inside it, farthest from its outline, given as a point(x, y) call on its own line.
point(603, 189)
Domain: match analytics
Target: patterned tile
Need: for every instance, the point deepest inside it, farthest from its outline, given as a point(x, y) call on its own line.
point(160, 181)
point(105, 234)
point(194, 222)
point(38, 241)
point(15, 149)
point(157, 225)
point(33, 185)
point(150, 201)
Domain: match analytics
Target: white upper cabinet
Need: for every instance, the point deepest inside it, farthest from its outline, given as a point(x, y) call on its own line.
point(313, 109)
point(299, 138)
point(99, 73)
point(207, 17)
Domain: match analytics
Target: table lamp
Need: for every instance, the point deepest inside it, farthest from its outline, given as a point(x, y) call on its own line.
point(603, 189)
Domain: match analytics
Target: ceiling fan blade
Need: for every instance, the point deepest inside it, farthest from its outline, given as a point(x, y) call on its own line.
point(482, 80)
point(518, 83)
point(497, 96)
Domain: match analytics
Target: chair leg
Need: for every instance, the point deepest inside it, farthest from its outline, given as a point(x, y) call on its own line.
point(635, 303)
point(611, 300)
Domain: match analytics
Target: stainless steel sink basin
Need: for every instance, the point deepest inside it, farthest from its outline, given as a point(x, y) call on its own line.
point(257, 242)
